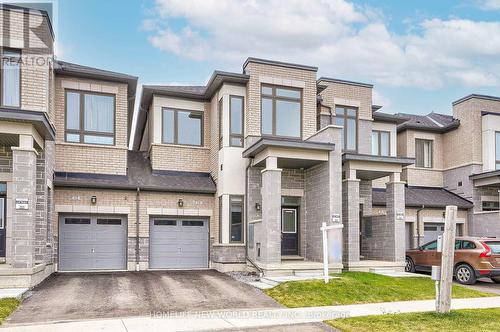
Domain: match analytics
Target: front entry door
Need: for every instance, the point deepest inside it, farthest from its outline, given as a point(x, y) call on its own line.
point(289, 231)
point(2, 226)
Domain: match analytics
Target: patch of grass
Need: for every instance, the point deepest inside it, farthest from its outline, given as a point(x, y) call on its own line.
point(458, 320)
point(361, 287)
point(7, 306)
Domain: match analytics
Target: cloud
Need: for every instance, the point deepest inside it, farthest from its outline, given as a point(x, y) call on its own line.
point(489, 4)
point(343, 39)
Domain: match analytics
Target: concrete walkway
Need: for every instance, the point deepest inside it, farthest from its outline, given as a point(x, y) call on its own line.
point(240, 319)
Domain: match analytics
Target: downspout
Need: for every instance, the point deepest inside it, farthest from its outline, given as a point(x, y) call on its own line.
point(418, 224)
point(137, 255)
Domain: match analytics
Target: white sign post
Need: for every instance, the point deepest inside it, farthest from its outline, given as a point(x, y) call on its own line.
point(324, 229)
point(447, 260)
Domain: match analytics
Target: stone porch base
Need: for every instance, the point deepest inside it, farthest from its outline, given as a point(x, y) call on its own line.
point(296, 268)
point(23, 277)
point(375, 266)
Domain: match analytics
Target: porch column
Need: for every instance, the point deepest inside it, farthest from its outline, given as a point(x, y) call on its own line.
point(270, 251)
point(23, 217)
point(395, 219)
point(350, 216)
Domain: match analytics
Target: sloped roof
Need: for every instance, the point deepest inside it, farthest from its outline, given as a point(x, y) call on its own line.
point(431, 122)
point(424, 196)
point(140, 175)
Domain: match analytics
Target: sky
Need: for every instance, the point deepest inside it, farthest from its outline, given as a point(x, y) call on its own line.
point(420, 55)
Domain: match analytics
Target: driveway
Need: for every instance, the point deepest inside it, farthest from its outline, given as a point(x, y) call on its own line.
point(82, 296)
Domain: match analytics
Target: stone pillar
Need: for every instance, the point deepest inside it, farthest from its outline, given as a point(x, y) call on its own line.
point(350, 216)
point(270, 245)
point(24, 187)
point(395, 219)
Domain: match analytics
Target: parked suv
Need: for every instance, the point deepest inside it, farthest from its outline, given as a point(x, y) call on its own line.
point(474, 258)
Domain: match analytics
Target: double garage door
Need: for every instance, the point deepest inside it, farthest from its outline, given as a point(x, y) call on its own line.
point(178, 243)
point(433, 230)
point(92, 243)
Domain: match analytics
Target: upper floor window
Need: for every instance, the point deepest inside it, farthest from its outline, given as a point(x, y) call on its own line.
point(497, 150)
point(236, 121)
point(90, 118)
point(490, 205)
point(381, 143)
point(182, 127)
point(347, 117)
point(220, 123)
point(281, 111)
point(423, 153)
point(10, 82)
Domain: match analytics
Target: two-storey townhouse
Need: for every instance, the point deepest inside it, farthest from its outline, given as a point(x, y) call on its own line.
point(26, 146)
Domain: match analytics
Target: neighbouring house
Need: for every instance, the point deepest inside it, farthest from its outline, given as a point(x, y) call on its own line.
point(238, 174)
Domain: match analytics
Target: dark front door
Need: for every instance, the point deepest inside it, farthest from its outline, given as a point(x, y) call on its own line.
point(289, 231)
point(2, 225)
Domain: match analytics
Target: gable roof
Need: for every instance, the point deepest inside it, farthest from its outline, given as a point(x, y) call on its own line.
point(76, 70)
point(423, 196)
point(434, 122)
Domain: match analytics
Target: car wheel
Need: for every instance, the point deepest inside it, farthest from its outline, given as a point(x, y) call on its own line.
point(465, 275)
point(409, 266)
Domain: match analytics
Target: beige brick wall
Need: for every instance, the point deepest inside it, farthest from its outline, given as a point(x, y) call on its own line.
point(350, 94)
point(417, 176)
point(36, 58)
point(79, 199)
point(88, 158)
point(287, 75)
point(469, 131)
point(183, 157)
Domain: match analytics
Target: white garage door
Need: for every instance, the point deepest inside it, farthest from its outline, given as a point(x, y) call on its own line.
point(178, 243)
point(92, 243)
point(433, 230)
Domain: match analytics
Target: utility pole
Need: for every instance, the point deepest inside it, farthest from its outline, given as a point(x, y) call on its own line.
point(443, 302)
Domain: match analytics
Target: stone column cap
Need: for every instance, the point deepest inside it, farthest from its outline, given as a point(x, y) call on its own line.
point(16, 148)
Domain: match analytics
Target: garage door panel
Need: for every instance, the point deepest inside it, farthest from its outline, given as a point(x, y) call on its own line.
point(179, 243)
point(92, 243)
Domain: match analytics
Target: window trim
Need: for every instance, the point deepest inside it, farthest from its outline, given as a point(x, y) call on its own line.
point(220, 123)
point(242, 218)
point(20, 51)
point(346, 117)
point(176, 126)
point(82, 132)
point(231, 135)
point(274, 97)
point(432, 153)
point(379, 134)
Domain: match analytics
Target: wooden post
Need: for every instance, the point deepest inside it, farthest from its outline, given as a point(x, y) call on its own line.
point(447, 259)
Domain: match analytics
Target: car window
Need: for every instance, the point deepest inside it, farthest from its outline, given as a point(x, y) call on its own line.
point(430, 246)
point(457, 244)
point(494, 246)
point(468, 245)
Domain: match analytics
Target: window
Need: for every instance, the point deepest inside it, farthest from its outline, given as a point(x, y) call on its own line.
point(221, 123)
point(236, 121)
point(90, 118)
point(497, 150)
point(182, 127)
point(468, 245)
point(236, 218)
point(490, 205)
point(430, 246)
point(195, 223)
point(109, 221)
point(494, 246)
point(423, 153)
point(381, 144)
point(164, 222)
point(10, 82)
point(77, 221)
point(281, 110)
point(347, 117)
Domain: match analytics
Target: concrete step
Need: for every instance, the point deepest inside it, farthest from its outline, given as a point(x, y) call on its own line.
point(308, 273)
point(292, 258)
point(382, 270)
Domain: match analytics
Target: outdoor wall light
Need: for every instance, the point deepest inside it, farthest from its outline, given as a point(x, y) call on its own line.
point(257, 206)
point(180, 202)
point(93, 199)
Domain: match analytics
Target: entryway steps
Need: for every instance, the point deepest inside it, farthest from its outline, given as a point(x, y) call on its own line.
point(292, 258)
